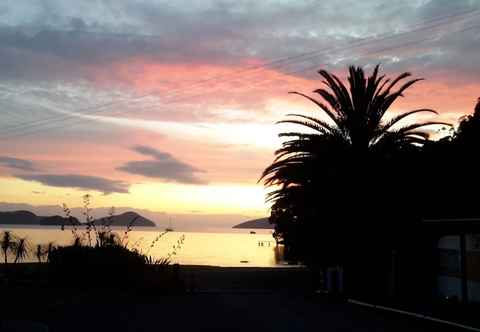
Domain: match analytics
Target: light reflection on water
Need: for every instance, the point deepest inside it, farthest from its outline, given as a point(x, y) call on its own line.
point(217, 248)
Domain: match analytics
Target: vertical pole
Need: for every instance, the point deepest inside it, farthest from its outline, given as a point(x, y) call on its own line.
point(463, 267)
point(393, 274)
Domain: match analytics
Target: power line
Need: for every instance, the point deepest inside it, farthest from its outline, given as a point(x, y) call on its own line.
point(356, 45)
point(81, 117)
point(316, 66)
point(96, 109)
point(293, 72)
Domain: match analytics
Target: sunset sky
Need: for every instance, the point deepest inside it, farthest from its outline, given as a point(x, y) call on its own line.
point(171, 105)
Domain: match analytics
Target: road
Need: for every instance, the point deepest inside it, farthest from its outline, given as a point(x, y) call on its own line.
point(234, 311)
point(218, 299)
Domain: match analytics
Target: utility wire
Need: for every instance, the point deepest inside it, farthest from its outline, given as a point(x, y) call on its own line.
point(361, 43)
point(81, 113)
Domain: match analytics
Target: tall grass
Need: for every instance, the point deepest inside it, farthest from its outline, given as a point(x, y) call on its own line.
point(22, 250)
point(97, 256)
point(104, 236)
point(92, 236)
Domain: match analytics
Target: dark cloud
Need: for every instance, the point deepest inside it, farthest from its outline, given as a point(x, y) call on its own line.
point(18, 164)
point(163, 166)
point(96, 183)
point(60, 42)
point(149, 151)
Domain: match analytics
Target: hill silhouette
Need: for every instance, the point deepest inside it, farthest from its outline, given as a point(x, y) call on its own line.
point(28, 218)
point(125, 219)
point(261, 223)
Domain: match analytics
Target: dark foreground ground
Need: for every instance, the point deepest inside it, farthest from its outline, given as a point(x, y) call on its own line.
point(231, 312)
point(216, 300)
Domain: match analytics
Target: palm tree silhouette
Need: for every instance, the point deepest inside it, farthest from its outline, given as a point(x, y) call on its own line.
point(340, 165)
point(355, 123)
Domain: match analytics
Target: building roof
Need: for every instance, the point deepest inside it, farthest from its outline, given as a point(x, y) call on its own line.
point(453, 225)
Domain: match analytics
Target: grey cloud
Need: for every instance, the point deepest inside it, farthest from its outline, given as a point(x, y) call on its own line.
point(435, 8)
point(62, 42)
point(149, 151)
point(51, 41)
point(163, 166)
point(96, 183)
point(18, 164)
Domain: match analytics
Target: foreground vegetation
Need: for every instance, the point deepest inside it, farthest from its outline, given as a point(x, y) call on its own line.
point(98, 257)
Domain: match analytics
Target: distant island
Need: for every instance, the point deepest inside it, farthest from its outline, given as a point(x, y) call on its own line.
point(29, 218)
point(125, 219)
point(261, 223)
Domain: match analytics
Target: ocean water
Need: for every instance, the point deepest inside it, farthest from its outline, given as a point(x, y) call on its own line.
point(216, 247)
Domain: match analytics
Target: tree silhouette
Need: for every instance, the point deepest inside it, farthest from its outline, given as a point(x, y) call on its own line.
point(455, 156)
point(7, 244)
point(467, 135)
point(334, 184)
point(357, 125)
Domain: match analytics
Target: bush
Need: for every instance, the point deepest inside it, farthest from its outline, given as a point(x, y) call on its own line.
point(96, 266)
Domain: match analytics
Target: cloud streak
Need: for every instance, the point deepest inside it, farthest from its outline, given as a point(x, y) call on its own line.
point(84, 182)
point(56, 42)
point(163, 166)
point(17, 164)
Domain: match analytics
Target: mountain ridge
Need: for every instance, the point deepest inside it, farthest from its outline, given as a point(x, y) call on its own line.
point(185, 221)
point(125, 219)
point(260, 223)
point(23, 217)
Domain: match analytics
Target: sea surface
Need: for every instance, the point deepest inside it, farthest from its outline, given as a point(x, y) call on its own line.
point(217, 247)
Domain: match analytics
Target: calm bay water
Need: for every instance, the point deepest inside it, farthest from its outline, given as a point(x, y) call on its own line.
point(217, 248)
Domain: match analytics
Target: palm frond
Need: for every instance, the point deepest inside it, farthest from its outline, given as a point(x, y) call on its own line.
point(402, 116)
point(321, 105)
point(319, 122)
point(308, 124)
point(415, 126)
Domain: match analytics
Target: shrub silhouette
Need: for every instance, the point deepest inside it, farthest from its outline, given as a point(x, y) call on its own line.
point(99, 257)
point(79, 265)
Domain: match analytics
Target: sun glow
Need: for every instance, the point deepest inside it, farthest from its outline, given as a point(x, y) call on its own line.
point(168, 197)
point(211, 198)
